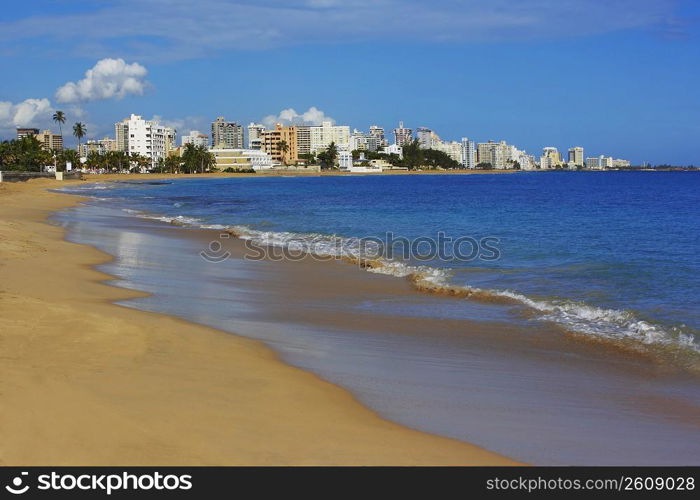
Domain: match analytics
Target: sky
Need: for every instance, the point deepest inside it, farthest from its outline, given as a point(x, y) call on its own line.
point(618, 77)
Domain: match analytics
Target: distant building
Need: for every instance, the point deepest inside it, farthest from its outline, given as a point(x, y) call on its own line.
point(493, 153)
point(550, 158)
point(468, 153)
point(50, 141)
point(146, 137)
point(402, 136)
point(323, 135)
point(303, 139)
point(377, 133)
point(226, 134)
point(272, 142)
point(359, 141)
point(241, 159)
point(254, 132)
point(576, 157)
point(101, 146)
point(196, 138)
point(27, 132)
point(345, 160)
point(619, 163)
point(393, 149)
point(599, 162)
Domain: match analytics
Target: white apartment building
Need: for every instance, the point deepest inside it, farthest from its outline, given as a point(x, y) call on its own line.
point(195, 138)
point(321, 136)
point(393, 149)
point(599, 162)
point(145, 137)
point(345, 160)
point(617, 163)
point(255, 131)
point(467, 153)
point(362, 142)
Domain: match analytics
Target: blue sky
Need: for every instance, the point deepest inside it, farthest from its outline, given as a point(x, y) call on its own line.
point(618, 77)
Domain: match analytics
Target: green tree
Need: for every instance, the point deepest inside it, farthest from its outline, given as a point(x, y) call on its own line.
point(60, 118)
point(328, 156)
point(196, 159)
point(413, 155)
point(79, 131)
point(283, 148)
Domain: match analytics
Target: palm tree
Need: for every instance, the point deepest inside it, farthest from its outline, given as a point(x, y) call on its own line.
point(79, 131)
point(283, 148)
point(60, 118)
point(331, 154)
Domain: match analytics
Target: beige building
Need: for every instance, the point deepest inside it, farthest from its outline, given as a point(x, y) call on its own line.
point(576, 156)
point(49, 140)
point(321, 136)
point(272, 140)
point(550, 158)
point(240, 159)
point(494, 153)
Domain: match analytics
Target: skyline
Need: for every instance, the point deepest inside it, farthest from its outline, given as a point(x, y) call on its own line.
point(635, 96)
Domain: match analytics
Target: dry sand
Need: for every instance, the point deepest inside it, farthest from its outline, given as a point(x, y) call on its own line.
point(84, 381)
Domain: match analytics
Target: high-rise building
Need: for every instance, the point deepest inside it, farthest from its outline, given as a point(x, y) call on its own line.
point(50, 141)
point(600, 162)
point(100, 146)
point(576, 156)
point(303, 139)
point(550, 158)
point(254, 132)
point(359, 141)
point(196, 138)
point(378, 133)
point(402, 136)
point(27, 132)
point(493, 153)
point(323, 135)
point(281, 144)
point(145, 137)
point(468, 153)
point(226, 134)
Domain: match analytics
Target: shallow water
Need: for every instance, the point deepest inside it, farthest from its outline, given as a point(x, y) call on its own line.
point(508, 383)
point(611, 255)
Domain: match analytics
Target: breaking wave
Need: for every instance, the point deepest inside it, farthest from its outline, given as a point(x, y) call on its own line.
point(618, 326)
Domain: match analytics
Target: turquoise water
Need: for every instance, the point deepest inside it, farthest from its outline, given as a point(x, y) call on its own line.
point(611, 255)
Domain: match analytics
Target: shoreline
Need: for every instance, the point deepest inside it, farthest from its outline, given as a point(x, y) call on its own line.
point(96, 383)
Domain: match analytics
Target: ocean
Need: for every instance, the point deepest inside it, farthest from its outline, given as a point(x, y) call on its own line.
point(605, 258)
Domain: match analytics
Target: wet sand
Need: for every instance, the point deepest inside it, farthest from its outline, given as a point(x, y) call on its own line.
point(524, 389)
point(84, 381)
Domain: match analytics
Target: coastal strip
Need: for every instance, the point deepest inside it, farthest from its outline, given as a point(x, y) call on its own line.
point(86, 382)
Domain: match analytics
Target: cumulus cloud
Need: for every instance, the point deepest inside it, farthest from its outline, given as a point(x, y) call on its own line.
point(109, 78)
point(312, 116)
point(25, 113)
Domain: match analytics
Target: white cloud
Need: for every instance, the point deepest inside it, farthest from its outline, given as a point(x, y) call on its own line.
point(109, 78)
point(25, 113)
point(312, 116)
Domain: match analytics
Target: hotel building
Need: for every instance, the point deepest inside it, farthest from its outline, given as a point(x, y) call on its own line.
point(195, 138)
point(272, 140)
point(145, 137)
point(322, 136)
point(226, 134)
point(50, 141)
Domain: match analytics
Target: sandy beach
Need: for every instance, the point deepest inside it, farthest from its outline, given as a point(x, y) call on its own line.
point(84, 381)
